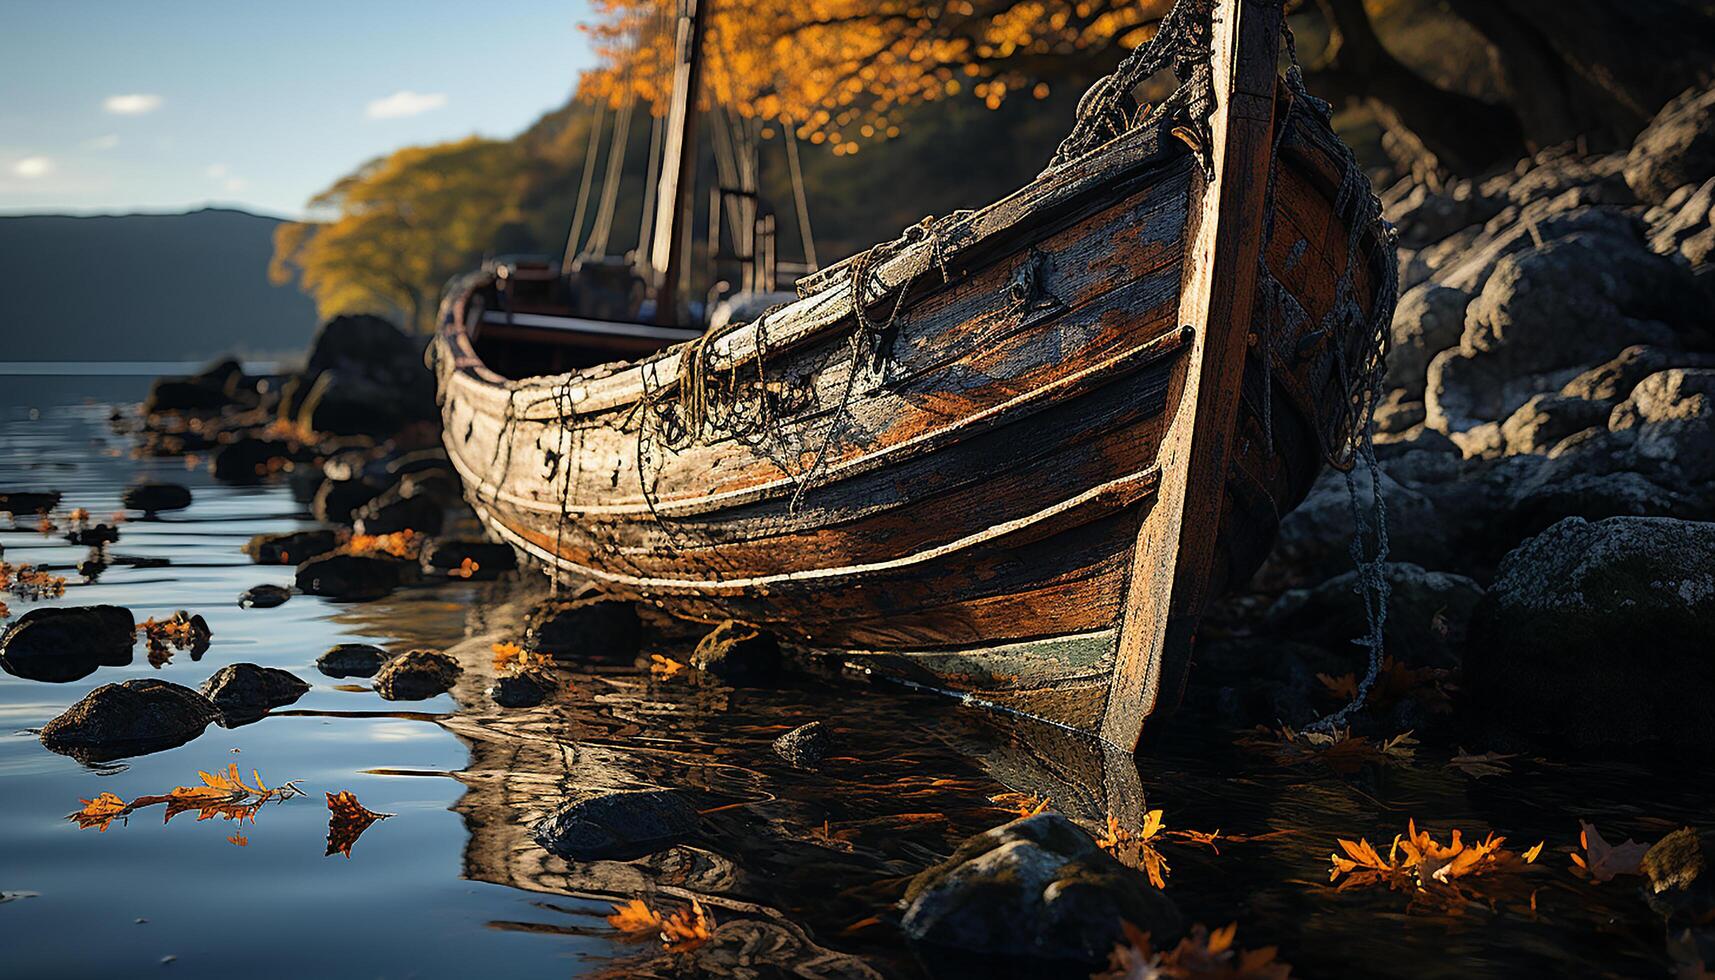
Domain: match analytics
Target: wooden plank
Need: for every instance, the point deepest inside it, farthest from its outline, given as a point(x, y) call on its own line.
point(1175, 544)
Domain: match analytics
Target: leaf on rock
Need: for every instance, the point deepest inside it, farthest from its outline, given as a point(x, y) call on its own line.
point(512, 657)
point(1602, 861)
point(635, 918)
point(686, 929)
point(347, 820)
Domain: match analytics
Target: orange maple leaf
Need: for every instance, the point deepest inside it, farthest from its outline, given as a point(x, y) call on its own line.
point(686, 929)
point(100, 812)
point(664, 667)
point(1203, 954)
point(635, 918)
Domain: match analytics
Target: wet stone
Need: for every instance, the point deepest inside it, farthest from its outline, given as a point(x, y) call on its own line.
point(153, 498)
point(1680, 887)
point(136, 717)
point(602, 630)
point(392, 512)
point(446, 559)
point(805, 745)
point(352, 660)
point(336, 501)
point(1035, 895)
point(290, 547)
point(264, 596)
point(17, 502)
point(248, 691)
point(525, 689)
point(618, 825)
point(417, 675)
point(734, 652)
point(67, 643)
point(94, 537)
point(349, 576)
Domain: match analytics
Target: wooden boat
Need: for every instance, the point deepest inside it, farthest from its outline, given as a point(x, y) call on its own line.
point(1012, 454)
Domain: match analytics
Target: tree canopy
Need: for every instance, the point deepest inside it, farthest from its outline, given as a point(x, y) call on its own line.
point(385, 238)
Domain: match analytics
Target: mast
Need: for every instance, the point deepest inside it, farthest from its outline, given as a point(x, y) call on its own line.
point(678, 163)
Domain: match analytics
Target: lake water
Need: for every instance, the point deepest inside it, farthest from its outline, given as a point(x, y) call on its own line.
point(802, 869)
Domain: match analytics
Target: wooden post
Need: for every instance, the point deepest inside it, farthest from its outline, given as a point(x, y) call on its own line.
point(678, 163)
point(1175, 544)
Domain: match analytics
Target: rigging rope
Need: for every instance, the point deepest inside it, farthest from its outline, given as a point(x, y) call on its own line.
point(789, 135)
point(577, 232)
point(611, 180)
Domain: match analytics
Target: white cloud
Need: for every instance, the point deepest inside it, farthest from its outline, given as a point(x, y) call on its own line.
point(216, 170)
point(220, 172)
point(33, 167)
point(405, 103)
point(135, 104)
point(107, 142)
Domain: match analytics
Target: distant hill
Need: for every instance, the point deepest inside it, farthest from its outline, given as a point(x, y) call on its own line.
point(144, 287)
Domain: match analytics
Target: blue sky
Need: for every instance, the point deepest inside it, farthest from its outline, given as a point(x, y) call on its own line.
point(158, 105)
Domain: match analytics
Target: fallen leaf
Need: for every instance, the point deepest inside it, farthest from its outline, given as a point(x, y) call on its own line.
point(664, 667)
point(1340, 750)
point(1020, 804)
point(1603, 861)
point(100, 812)
point(1202, 955)
point(1417, 861)
point(512, 657)
point(635, 918)
point(239, 840)
point(347, 820)
point(1478, 766)
point(686, 929)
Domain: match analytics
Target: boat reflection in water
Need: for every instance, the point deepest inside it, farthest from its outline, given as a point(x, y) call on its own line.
point(801, 869)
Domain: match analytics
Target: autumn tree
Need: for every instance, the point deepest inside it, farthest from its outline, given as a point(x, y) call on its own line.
point(842, 69)
point(385, 238)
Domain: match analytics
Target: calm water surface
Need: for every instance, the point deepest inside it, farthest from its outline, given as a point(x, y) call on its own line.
point(802, 869)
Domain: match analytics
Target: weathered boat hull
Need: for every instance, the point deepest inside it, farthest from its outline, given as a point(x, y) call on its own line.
point(954, 483)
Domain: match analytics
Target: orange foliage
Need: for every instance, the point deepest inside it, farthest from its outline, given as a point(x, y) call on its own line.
point(842, 69)
point(1022, 804)
point(1394, 682)
point(225, 795)
point(28, 582)
point(347, 820)
point(511, 656)
point(679, 931)
point(635, 917)
point(664, 667)
point(467, 568)
point(1417, 861)
point(1340, 751)
point(1202, 955)
point(406, 544)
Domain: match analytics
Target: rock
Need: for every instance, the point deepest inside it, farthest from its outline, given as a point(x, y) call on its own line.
point(619, 825)
point(1676, 148)
point(1313, 542)
point(417, 461)
point(1684, 229)
point(1035, 894)
point(1250, 681)
point(417, 675)
point(443, 559)
point(134, 718)
point(99, 536)
point(248, 459)
point(21, 502)
point(349, 576)
point(1427, 614)
point(734, 652)
point(599, 630)
point(264, 597)
point(184, 395)
point(1541, 423)
point(1598, 634)
point(1429, 319)
point(364, 375)
point(1672, 413)
point(67, 643)
point(290, 547)
point(246, 691)
point(391, 512)
point(152, 498)
point(1397, 413)
point(1613, 380)
point(1680, 887)
point(337, 501)
point(351, 660)
point(805, 745)
point(525, 689)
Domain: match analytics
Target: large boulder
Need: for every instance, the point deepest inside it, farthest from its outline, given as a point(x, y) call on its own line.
point(1599, 634)
point(67, 643)
point(364, 376)
point(1430, 318)
point(1033, 897)
point(1684, 225)
point(1543, 422)
point(1427, 614)
point(1314, 541)
point(1676, 148)
point(134, 718)
point(621, 825)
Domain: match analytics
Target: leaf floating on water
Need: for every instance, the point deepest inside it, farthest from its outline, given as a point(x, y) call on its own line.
point(635, 918)
point(512, 657)
point(347, 820)
point(1340, 751)
point(1416, 861)
point(1201, 955)
point(406, 544)
point(1139, 847)
point(238, 840)
point(686, 929)
point(664, 667)
point(1478, 766)
point(1603, 861)
point(225, 795)
point(1020, 804)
